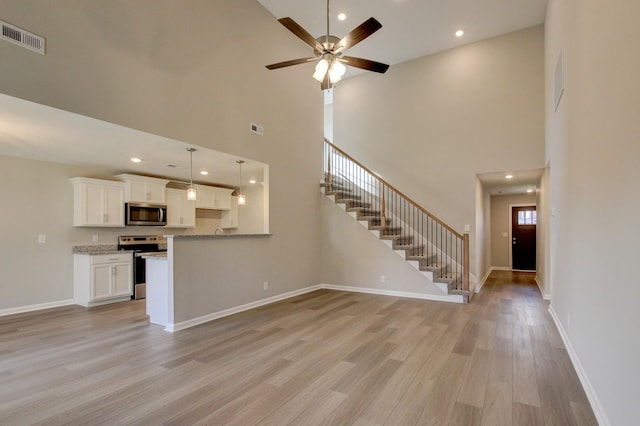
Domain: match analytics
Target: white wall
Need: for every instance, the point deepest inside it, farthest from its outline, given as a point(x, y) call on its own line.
point(483, 230)
point(500, 215)
point(543, 235)
point(592, 144)
point(428, 126)
point(194, 74)
point(352, 257)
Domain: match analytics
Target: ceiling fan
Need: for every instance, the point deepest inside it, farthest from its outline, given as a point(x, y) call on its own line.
point(329, 51)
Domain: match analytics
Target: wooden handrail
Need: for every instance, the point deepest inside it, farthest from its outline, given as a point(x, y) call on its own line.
point(418, 206)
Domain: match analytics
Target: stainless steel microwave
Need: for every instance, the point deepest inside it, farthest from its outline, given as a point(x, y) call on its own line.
point(145, 214)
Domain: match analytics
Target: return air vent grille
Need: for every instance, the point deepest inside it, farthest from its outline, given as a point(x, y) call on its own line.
point(22, 38)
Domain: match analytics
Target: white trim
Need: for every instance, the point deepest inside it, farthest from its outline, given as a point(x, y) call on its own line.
point(540, 286)
point(171, 327)
point(596, 405)
point(452, 298)
point(31, 308)
point(226, 312)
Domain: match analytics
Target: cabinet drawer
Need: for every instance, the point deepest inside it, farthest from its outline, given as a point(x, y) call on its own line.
point(97, 259)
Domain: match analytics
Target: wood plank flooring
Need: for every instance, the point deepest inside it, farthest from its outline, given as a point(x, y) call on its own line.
point(326, 357)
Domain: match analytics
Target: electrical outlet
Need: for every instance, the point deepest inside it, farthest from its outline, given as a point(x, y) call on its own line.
point(265, 285)
point(42, 238)
point(383, 278)
point(94, 238)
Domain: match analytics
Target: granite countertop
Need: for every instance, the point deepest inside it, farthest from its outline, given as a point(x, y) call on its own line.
point(218, 236)
point(97, 249)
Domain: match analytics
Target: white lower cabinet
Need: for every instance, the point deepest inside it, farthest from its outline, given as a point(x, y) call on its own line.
point(181, 213)
point(102, 278)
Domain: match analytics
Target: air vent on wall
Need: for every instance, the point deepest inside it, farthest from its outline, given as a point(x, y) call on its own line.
point(22, 38)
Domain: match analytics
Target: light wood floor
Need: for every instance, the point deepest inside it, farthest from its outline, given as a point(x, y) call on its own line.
point(327, 357)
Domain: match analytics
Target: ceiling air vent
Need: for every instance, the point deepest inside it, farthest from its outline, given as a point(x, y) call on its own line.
point(22, 38)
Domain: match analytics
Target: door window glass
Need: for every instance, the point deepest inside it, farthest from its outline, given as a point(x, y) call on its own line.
point(527, 217)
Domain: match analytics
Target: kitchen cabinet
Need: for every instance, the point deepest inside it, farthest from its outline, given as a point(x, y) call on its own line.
point(97, 202)
point(144, 189)
point(102, 278)
point(213, 198)
point(230, 217)
point(181, 213)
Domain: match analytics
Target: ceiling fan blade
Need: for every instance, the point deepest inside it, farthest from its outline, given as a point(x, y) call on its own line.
point(365, 64)
point(289, 63)
point(361, 32)
point(301, 33)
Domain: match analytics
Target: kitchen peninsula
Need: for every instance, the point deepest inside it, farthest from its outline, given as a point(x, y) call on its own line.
point(204, 277)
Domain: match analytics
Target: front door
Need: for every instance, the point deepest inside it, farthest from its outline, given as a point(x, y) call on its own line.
point(523, 238)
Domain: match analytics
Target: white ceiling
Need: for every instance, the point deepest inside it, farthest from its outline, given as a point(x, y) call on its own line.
point(497, 184)
point(411, 29)
point(38, 132)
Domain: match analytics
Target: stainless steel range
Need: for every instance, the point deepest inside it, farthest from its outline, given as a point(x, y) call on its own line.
point(141, 245)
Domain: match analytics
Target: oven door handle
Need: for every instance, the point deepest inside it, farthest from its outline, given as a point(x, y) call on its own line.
point(148, 253)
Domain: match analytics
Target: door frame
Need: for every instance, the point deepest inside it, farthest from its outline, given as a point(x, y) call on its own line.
point(511, 206)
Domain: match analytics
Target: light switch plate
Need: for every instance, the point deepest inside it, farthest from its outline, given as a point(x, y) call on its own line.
point(42, 238)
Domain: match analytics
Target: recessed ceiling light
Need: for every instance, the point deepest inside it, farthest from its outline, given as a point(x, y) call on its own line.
point(342, 16)
point(508, 176)
point(529, 190)
point(204, 172)
point(136, 160)
point(459, 33)
point(252, 181)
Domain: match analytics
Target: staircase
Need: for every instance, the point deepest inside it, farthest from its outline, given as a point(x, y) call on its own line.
point(428, 244)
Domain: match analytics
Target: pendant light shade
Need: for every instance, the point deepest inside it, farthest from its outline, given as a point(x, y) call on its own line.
point(242, 199)
point(191, 191)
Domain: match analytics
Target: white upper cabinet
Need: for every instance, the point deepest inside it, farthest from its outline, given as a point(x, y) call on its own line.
point(213, 198)
point(144, 189)
point(97, 202)
point(230, 217)
point(181, 213)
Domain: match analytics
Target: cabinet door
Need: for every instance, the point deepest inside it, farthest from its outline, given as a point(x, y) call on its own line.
point(138, 191)
point(113, 206)
point(188, 212)
point(122, 275)
point(156, 193)
point(230, 217)
point(181, 213)
point(93, 205)
point(223, 199)
point(206, 197)
point(100, 281)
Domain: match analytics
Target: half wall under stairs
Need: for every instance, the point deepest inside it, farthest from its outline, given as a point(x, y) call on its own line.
point(428, 280)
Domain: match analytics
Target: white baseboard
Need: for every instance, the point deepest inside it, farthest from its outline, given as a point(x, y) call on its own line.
point(236, 309)
point(171, 327)
point(596, 405)
point(453, 298)
point(541, 288)
point(486, 275)
point(38, 307)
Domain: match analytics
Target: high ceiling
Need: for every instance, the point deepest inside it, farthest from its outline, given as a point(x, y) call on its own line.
point(411, 28)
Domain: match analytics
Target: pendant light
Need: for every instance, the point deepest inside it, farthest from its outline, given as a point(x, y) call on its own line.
point(191, 191)
point(241, 197)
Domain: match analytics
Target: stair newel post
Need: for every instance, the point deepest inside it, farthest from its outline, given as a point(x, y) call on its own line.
point(465, 262)
point(383, 212)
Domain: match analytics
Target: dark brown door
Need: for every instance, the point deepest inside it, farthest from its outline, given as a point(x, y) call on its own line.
point(523, 238)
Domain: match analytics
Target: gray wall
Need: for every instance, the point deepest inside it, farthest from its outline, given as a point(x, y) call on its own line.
point(594, 156)
point(446, 117)
point(500, 213)
point(133, 64)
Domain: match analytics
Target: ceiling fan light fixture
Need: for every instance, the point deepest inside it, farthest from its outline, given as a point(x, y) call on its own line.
point(321, 70)
point(336, 71)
